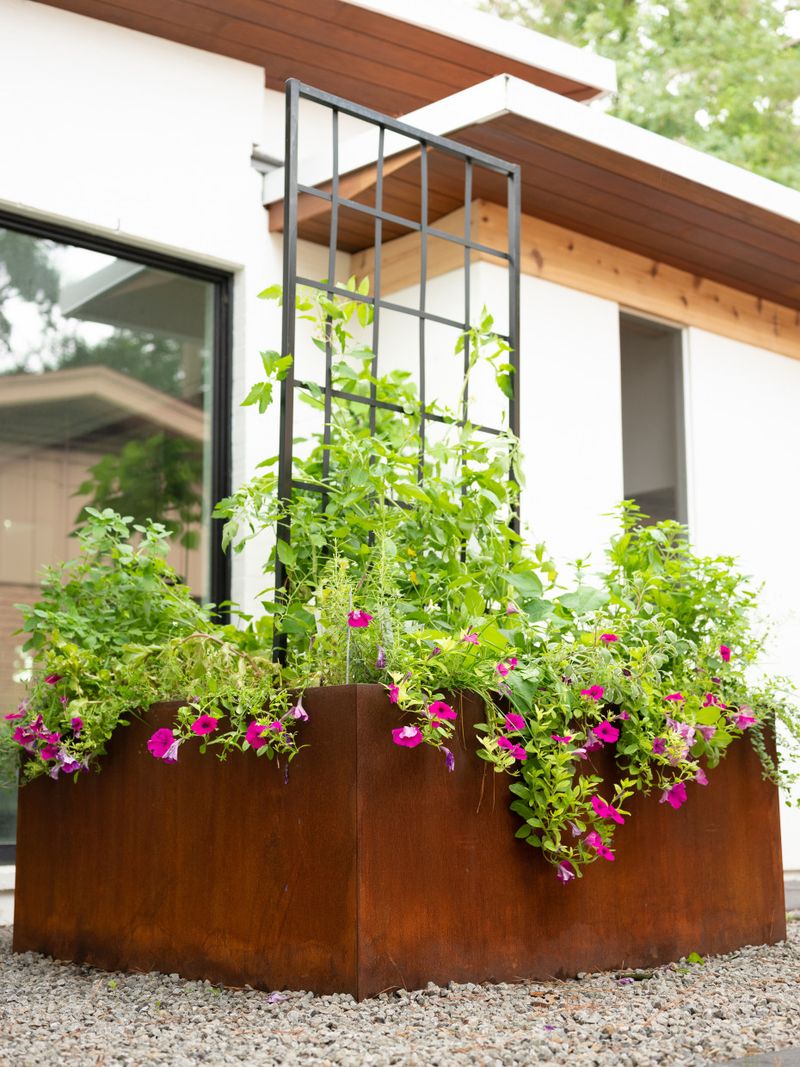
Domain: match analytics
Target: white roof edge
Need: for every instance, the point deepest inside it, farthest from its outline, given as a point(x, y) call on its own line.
point(673, 157)
point(504, 93)
point(494, 34)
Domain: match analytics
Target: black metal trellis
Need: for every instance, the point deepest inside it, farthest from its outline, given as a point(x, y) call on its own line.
point(295, 92)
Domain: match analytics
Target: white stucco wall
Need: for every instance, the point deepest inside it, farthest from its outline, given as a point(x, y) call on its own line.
point(743, 442)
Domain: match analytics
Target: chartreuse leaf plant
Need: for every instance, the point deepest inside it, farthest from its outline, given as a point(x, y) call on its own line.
point(403, 569)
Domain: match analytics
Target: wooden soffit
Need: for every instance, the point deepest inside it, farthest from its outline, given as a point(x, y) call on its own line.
point(566, 257)
point(354, 49)
point(592, 175)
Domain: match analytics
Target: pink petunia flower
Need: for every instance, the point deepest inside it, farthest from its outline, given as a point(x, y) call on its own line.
point(594, 692)
point(675, 795)
point(394, 693)
point(24, 736)
point(160, 742)
point(604, 852)
point(701, 777)
point(675, 697)
point(725, 653)
point(298, 711)
point(706, 732)
point(439, 710)
point(606, 732)
point(565, 872)
point(743, 719)
point(565, 740)
point(513, 722)
point(471, 638)
point(659, 746)
point(579, 753)
point(517, 751)
point(48, 752)
point(592, 743)
point(15, 715)
point(512, 661)
point(609, 638)
point(407, 736)
point(502, 670)
point(51, 679)
point(593, 839)
point(254, 735)
point(606, 811)
point(277, 726)
point(359, 620)
point(204, 724)
point(76, 722)
point(511, 608)
point(624, 715)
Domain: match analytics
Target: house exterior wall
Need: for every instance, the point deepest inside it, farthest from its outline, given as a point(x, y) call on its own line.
point(147, 141)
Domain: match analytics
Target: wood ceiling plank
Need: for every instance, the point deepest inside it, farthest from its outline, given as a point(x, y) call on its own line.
point(528, 151)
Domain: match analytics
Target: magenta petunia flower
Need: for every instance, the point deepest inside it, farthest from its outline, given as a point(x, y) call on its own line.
point(502, 670)
point(709, 700)
point(277, 726)
point(743, 718)
point(701, 778)
point(579, 753)
point(624, 715)
point(299, 712)
point(204, 724)
point(517, 751)
point(513, 722)
point(675, 696)
point(706, 732)
point(565, 872)
point(380, 659)
point(594, 692)
point(675, 795)
point(604, 852)
point(15, 715)
point(606, 811)
point(358, 620)
point(725, 653)
point(63, 701)
point(76, 722)
point(48, 752)
point(160, 742)
point(659, 746)
point(449, 758)
point(254, 735)
point(511, 608)
point(439, 710)
point(407, 736)
point(394, 693)
point(565, 740)
point(471, 638)
point(24, 736)
point(606, 732)
point(593, 839)
point(70, 766)
point(51, 679)
point(609, 638)
point(512, 661)
point(592, 743)
point(716, 681)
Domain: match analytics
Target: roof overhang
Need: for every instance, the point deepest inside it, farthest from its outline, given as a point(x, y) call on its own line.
point(392, 55)
point(582, 170)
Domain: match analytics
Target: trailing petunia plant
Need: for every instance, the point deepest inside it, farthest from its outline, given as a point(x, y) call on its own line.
point(403, 569)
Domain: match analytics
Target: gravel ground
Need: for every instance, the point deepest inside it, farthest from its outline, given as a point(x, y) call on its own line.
point(728, 1007)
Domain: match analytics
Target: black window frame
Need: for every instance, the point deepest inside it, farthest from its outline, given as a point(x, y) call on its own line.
point(221, 378)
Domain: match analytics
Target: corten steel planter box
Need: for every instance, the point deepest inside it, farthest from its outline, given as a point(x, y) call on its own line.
point(373, 867)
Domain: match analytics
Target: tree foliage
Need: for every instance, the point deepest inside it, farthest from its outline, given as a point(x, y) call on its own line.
point(720, 75)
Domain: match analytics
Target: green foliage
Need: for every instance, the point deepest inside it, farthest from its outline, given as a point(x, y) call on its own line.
point(403, 570)
point(719, 75)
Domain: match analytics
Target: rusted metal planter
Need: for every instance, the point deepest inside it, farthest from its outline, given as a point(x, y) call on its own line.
point(373, 867)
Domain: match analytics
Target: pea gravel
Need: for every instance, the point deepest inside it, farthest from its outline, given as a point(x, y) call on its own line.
point(728, 1007)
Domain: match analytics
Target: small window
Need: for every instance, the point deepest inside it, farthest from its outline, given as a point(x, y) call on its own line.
point(654, 465)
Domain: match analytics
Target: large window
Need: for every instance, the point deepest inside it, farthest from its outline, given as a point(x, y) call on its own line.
point(113, 393)
point(654, 463)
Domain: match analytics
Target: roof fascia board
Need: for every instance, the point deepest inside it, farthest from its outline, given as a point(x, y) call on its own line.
point(615, 135)
point(480, 103)
point(509, 39)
